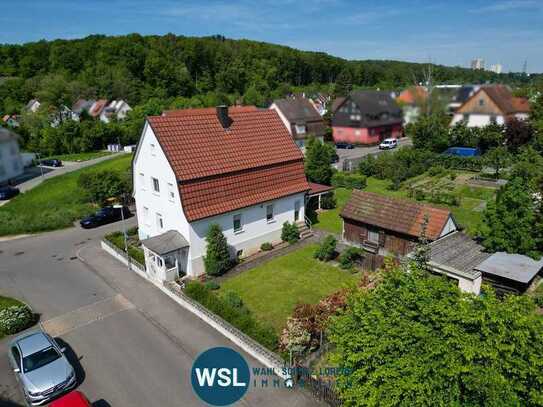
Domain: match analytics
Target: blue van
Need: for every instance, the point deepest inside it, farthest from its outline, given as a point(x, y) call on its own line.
point(463, 151)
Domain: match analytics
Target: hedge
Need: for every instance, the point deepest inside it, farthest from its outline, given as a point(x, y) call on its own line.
point(240, 317)
point(345, 180)
point(117, 239)
point(16, 319)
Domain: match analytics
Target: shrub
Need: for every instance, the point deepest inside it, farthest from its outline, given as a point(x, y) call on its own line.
point(349, 256)
point(436, 170)
point(342, 179)
point(368, 166)
point(133, 231)
point(217, 259)
point(97, 187)
point(290, 233)
point(240, 318)
point(137, 254)
point(328, 201)
point(267, 246)
point(212, 285)
point(327, 249)
point(16, 319)
point(233, 299)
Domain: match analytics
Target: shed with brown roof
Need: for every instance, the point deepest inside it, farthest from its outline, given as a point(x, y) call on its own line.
point(378, 222)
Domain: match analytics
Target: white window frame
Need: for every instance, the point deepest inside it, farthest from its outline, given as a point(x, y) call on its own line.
point(272, 219)
point(171, 192)
point(373, 236)
point(159, 221)
point(155, 183)
point(240, 229)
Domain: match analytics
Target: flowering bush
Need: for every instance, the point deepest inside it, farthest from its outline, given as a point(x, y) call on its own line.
point(295, 336)
point(15, 319)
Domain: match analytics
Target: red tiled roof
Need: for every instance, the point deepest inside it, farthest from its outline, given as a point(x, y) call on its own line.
point(521, 105)
point(318, 188)
point(255, 160)
point(413, 95)
point(397, 215)
point(97, 107)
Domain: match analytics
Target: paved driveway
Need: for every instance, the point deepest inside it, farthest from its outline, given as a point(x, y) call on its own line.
point(359, 152)
point(132, 345)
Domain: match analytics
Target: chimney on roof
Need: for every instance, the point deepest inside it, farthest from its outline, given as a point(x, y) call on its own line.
point(222, 115)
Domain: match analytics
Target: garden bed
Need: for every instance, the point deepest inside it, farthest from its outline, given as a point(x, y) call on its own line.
point(134, 246)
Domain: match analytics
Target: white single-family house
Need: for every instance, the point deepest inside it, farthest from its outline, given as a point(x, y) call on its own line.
point(117, 108)
point(236, 167)
point(33, 105)
point(492, 104)
point(11, 164)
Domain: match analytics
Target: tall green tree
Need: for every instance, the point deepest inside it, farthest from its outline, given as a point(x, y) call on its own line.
point(430, 132)
point(497, 158)
point(317, 162)
point(510, 223)
point(417, 340)
point(217, 259)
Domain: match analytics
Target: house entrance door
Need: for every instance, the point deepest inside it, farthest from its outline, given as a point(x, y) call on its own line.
point(296, 211)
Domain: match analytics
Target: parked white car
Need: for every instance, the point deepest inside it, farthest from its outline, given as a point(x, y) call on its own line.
point(388, 144)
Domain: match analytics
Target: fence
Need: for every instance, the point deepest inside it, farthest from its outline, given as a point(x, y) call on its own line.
point(322, 390)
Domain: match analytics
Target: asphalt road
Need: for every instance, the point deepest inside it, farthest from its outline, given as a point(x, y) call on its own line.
point(50, 172)
point(359, 152)
point(131, 345)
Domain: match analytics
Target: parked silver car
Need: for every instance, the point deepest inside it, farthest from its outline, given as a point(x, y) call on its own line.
point(40, 367)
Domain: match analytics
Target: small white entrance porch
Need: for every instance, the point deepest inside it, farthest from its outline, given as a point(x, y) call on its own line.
point(166, 255)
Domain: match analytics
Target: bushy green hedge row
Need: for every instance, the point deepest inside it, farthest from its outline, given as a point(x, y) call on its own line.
point(16, 319)
point(347, 180)
point(231, 310)
point(117, 239)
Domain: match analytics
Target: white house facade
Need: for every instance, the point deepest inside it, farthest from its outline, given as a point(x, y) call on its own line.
point(176, 199)
point(11, 164)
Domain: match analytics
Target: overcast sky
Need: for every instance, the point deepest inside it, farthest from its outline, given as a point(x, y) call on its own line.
point(445, 32)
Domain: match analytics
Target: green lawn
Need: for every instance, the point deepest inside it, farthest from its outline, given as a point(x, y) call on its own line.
point(272, 290)
point(468, 214)
point(80, 156)
point(6, 302)
point(54, 204)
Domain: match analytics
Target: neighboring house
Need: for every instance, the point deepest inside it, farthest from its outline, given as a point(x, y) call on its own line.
point(238, 168)
point(491, 104)
point(10, 120)
point(411, 101)
point(300, 118)
point(33, 106)
point(461, 258)
point(116, 109)
point(451, 97)
point(63, 114)
point(386, 225)
point(97, 107)
point(82, 105)
point(11, 164)
point(367, 117)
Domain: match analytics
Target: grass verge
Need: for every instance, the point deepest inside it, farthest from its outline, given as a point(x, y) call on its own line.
point(54, 204)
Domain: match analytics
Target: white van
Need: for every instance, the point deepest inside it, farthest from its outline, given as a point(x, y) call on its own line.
point(388, 144)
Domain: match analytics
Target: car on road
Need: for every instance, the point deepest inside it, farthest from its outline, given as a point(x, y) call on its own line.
point(72, 399)
point(40, 367)
point(51, 163)
point(347, 146)
point(8, 193)
point(388, 144)
point(104, 216)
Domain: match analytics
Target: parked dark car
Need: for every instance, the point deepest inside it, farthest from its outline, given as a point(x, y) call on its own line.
point(51, 163)
point(347, 146)
point(8, 193)
point(104, 216)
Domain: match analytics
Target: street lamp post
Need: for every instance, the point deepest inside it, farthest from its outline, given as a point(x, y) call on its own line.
point(124, 234)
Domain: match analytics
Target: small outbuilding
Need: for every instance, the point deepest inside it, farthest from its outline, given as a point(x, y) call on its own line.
point(383, 225)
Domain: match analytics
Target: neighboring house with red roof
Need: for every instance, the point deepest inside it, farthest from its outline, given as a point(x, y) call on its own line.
point(492, 104)
point(97, 108)
point(301, 119)
point(236, 167)
point(385, 225)
point(367, 117)
point(411, 101)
